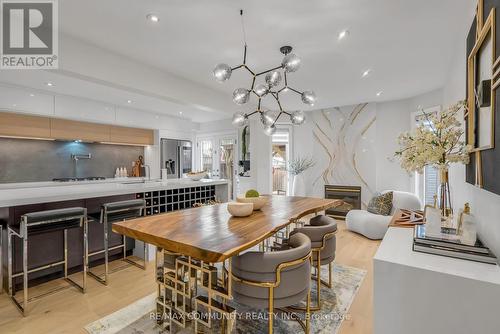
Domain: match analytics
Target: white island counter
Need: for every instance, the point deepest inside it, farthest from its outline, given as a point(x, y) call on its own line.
point(16, 194)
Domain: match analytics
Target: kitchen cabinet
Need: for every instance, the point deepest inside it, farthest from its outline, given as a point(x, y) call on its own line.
point(84, 109)
point(25, 101)
point(26, 126)
point(73, 130)
point(126, 135)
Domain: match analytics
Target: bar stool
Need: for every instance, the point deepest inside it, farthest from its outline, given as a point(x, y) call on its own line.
point(43, 222)
point(115, 212)
point(321, 230)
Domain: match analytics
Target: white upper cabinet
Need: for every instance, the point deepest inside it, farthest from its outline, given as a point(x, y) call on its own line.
point(85, 110)
point(26, 101)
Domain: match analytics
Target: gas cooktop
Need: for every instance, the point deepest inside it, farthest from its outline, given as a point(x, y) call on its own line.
point(76, 179)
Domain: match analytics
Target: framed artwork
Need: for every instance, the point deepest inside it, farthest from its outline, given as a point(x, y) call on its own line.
point(481, 65)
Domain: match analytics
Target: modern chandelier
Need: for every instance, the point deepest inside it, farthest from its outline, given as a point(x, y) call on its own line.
point(275, 84)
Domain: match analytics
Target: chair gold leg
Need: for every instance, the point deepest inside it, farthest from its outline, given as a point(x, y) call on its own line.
point(271, 309)
point(318, 276)
point(308, 311)
point(330, 280)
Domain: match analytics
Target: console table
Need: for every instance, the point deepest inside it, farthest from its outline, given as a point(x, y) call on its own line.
point(425, 293)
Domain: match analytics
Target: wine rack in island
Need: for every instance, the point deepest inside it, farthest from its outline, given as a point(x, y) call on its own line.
point(161, 201)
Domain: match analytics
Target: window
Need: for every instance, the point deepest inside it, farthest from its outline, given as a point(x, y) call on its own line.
point(206, 156)
point(427, 183)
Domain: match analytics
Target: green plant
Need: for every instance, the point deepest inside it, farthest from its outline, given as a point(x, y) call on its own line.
point(252, 193)
point(300, 165)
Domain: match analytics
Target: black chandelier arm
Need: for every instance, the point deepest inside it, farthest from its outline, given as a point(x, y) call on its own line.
point(276, 97)
point(252, 113)
point(258, 105)
point(294, 90)
point(245, 55)
point(272, 69)
point(253, 84)
point(286, 80)
point(237, 67)
point(249, 70)
point(276, 119)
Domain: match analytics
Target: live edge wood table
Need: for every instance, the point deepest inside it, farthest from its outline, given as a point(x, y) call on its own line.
point(190, 242)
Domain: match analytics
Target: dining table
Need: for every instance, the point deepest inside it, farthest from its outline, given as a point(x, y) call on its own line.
point(194, 248)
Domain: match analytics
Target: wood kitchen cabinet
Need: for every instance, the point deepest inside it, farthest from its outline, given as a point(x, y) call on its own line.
point(73, 130)
point(26, 126)
point(125, 135)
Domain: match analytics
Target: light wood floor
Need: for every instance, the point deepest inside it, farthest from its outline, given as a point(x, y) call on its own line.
point(69, 311)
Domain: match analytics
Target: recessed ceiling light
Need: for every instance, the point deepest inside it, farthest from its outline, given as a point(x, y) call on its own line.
point(343, 34)
point(32, 94)
point(180, 112)
point(366, 73)
point(379, 93)
point(153, 18)
point(50, 84)
point(129, 101)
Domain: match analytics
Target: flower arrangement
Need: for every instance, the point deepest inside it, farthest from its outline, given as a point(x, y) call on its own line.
point(438, 142)
point(300, 165)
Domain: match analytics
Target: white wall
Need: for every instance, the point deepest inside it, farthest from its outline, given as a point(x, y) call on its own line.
point(485, 205)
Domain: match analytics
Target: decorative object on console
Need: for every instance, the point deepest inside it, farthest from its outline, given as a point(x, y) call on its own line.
point(273, 79)
point(451, 245)
point(433, 219)
point(381, 204)
point(467, 228)
point(436, 142)
point(296, 167)
point(407, 218)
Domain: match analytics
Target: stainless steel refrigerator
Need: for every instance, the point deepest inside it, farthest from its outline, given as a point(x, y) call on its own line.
point(176, 157)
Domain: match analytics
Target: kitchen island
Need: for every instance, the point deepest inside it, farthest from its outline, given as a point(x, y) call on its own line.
point(17, 199)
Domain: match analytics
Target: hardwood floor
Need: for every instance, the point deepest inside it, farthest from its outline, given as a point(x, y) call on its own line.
point(69, 311)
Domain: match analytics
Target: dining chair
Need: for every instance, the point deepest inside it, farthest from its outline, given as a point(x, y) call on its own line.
point(278, 279)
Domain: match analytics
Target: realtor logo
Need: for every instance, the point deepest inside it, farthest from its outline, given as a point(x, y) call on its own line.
point(29, 38)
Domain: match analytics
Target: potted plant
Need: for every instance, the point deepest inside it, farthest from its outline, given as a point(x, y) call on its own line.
point(436, 142)
point(296, 168)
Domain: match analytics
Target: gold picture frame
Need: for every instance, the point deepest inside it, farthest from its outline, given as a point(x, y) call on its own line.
point(483, 31)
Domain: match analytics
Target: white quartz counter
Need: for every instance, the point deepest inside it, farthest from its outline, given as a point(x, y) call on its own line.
point(43, 192)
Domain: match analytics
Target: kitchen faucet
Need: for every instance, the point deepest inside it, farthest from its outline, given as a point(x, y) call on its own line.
point(76, 157)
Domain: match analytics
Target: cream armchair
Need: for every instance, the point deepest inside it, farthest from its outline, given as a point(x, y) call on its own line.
point(374, 226)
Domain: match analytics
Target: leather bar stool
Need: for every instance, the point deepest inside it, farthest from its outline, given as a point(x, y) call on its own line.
point(277, 279)
point(44, 222)
point(321, 230)
point(111, 213)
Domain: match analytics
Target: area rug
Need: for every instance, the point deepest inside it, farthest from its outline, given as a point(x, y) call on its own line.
point(137, 317)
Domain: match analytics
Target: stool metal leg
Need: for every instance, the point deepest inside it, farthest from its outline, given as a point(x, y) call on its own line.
point(25, 268)
point(1, 260)
point(9, 262)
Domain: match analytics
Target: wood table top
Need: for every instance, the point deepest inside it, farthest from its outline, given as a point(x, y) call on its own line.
point(211, 234)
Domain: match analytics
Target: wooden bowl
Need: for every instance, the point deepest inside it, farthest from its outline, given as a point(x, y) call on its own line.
point(196, 176)
point(258, 202)
point(240, 209)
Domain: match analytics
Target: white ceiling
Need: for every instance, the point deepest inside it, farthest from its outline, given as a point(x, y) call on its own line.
point(406, 43)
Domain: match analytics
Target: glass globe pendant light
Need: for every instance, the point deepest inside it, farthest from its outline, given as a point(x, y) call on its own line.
point(222, 72)
point(297, 117)
point(308, 97)
point(291, 63)
point(241, 96)
point(270, 130)
point(239, 119)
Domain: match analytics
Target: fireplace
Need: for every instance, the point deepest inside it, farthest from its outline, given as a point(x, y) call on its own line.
point(350, 195)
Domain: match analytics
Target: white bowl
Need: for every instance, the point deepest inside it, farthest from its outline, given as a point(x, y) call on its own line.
point(197, 176)
point(258, 202)
point(240, 209)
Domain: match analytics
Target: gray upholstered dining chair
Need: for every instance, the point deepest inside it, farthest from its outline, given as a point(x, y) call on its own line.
point(321, 230)
point(277, 279)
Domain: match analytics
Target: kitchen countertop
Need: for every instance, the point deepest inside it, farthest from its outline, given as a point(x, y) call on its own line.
point(14, 194)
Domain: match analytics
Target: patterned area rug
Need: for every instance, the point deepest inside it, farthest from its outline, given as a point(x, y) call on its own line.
point(137, 318)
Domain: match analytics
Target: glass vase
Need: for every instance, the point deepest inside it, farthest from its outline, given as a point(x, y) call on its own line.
point(444, 197)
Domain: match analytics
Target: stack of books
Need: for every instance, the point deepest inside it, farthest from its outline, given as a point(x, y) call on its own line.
point(449, 244)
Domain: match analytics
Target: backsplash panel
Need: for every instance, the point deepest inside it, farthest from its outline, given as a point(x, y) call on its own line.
point(25, 160)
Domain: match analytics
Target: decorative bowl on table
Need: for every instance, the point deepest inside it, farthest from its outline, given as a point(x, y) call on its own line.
point(258, 202)
point(237, 209)
point(196, 176)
